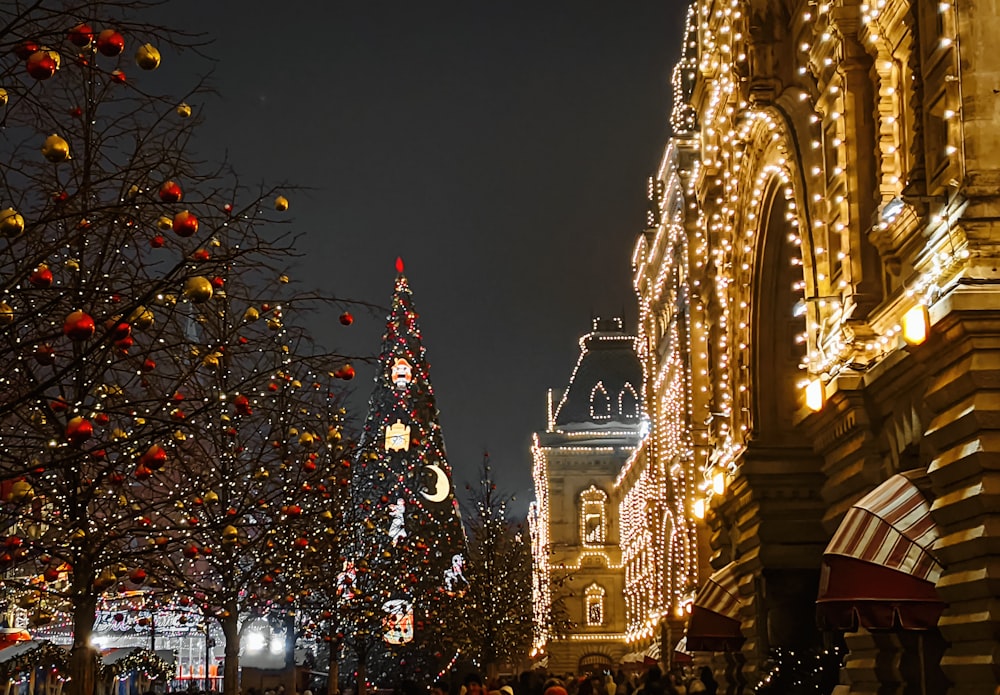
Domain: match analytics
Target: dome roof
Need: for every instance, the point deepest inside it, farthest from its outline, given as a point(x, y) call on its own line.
point(606, 383)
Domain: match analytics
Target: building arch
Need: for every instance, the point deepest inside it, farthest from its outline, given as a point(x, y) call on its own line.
point(593, 605)
point(593, 505)
point(600, 402)
point(595, 662)
point(774, 272)
point(628, 401)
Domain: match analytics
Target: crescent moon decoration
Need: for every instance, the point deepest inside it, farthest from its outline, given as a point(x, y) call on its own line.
point(441, 486)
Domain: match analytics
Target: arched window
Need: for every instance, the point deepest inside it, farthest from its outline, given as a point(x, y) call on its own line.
point(600, 404)
point(593, 517)
point(594, 604)
point(628, 401)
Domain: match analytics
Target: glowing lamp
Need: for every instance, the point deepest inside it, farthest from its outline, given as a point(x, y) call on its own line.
point(814, 395)
point(699, 508)
point(719, 482)
point(915, 325)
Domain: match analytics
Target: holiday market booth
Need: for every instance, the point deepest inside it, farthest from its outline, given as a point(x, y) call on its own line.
point(32, 667)
point(134, 669)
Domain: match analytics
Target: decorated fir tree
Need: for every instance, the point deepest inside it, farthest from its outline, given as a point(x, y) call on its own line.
point(403, 584)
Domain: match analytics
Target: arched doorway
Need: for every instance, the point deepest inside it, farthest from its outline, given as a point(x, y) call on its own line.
point(595, 663)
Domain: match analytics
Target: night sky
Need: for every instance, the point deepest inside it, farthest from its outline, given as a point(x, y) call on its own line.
point(500, 148)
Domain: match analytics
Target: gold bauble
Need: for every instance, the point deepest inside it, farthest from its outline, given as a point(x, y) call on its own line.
point(307, 439)
point(281, 203)
point(142, 318)
point(198, 289)
point(211, 497)
point(147, 57)
point(11, 223)
point(230, 535)
point(3, 97)
point(164, 224)
point(183, 110)
point(251, 315)
point(54, 55)
point(6, 314)
point(55, 148)
point(21, 491)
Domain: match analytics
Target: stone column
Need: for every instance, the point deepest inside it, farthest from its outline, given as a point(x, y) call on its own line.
point(965, 435)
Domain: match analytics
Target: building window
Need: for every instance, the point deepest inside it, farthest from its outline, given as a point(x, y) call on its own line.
point(593, 517)
point(628, 402)
point(600, 404)
point(594, 597)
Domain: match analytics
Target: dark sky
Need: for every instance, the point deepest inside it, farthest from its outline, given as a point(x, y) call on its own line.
point(501, 148)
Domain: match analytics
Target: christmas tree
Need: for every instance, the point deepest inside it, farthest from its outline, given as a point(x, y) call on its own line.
point(402, 586)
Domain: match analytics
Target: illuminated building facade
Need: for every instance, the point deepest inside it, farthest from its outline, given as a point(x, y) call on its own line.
point(656, 486)
point(593, 426)
point(828, 278)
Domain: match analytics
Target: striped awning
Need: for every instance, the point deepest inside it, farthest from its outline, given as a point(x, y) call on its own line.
point(879, 569)
point(714, 625)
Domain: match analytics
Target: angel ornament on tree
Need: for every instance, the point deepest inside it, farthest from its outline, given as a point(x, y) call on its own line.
point(397, 526)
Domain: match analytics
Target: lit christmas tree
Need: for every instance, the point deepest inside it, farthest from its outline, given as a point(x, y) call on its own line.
point(403, 585)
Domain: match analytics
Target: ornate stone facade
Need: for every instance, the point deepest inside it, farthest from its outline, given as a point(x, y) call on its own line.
point(820, 280)
point(593, 426)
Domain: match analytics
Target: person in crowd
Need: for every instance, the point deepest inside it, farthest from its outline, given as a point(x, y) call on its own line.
point(473, 684)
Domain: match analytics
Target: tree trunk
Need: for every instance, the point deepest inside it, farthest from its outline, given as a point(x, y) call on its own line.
point(231, 674)
point(333, 669)
point(362, 687)
point(82, 658)
point(291, 681)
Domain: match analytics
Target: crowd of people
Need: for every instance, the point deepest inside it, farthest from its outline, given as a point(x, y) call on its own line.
point(679, 681)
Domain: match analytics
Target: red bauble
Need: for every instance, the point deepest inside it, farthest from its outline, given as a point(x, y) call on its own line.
point(124, 344)
point(118, 76)
point(41, 276)
point(137, 576)
point(293, 510)
point(79, 430)
point(59, 405)
point(170, 192)
point(346, 318)
point(191, 552)
point(346, 372)
point(121, 330)
point(41, 65)
point(81, 35)
point(116, 478)
point(201, 255)
point(101, 418)
point(110, 43)
point(148, 365)
point(142, 472)
point(242, 404)
point(154, 458)
point(24, 49)
point(79, 325)
point(185, 223)
point(45, 354)
point(75, 112)
point(218, 282)
point(51, 574)
point(309, 466)
point(157, 242)
point(301, 543)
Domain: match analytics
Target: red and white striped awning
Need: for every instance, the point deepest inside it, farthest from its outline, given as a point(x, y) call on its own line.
point(714, 625)
point(879, 569)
